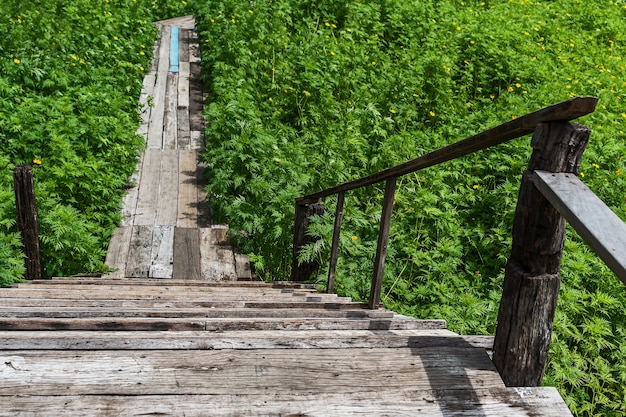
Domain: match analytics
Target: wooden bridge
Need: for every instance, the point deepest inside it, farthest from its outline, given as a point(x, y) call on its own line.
point(180, 328)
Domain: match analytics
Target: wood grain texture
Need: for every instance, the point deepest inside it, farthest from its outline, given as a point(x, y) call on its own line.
point(162, 254)
point(168, 183)
point(117, 252)
point(188, 189)
point(170, 115)
point(186, 253)
point(492, 402)
point(155, 127)
point(148, 191)
point(596, 223)
point(139, 254)
point(217, 260)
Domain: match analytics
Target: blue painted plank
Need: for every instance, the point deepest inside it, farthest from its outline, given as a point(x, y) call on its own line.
point(174, 49)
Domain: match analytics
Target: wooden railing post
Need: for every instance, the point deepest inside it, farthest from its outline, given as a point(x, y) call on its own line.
point(381, 247)
point(27, 223)
point(334, 251)
point(305, 209)
point(532, 280)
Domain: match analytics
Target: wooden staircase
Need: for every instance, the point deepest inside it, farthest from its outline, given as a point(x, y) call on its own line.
point(105, 347)
point(174, 331)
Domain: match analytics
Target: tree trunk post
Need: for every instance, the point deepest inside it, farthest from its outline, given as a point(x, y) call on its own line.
point(27, 223)
point(532, 280)
point(304, 211)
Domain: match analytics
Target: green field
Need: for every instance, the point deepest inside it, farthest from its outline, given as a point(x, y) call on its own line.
point(307, 94)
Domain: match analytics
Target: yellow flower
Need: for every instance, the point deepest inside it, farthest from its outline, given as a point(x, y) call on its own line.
point(37, 161)
point(582, 175)
point(332, 52)
point(392, 111)
point(510, 89)
point(277, 160)
point(270, 99)
point(373, 62)
point(475, 186)
point(492, 97)
point(74, 57)
point(518, 85)
point(212, 20)
point(432, 113)
point(16, 61)
point(355, 237)
point(596, 166)
point(142, 53)
point(116, 38)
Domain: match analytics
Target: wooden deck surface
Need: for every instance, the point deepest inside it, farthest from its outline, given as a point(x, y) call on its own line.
point(105, 347)
point(166, 230)
point(173, 332)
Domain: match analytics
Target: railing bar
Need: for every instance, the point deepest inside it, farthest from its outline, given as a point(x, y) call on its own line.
point(334, 252)
point(381, 247)
point(563, 111)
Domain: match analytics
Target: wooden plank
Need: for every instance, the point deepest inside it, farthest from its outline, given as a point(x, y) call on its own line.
point(383, 240)
point(147, 91)
point(139, 259)
point(183, 42)
point(186, 253)
point(129, 201)
point(594, 221)
point(216, 324)
point(171, 312)
point(184, 131)
point(194, 48)
point(217, 261)
point(188, 189)
point(148, 192)
point(566, 110)
point(117, 252)
point(278, 339)
point(168, 183)
point(492, 402)
point(170, 117)
point(174, 34)
point(247, 372)
point(155, 127)
point(196, 140)
point(27, 220)
point(196, 99)
point(242, 266)
point(162, 254)
point(283, 285)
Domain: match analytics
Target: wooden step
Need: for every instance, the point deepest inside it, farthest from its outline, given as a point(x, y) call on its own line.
point(253, 339)
point(490, 402)
point(217, 324)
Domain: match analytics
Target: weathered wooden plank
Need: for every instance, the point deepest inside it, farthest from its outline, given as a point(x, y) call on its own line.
point(217, 260)
point(170, 117)
point(184, 131)
point(162, 255)
point(596, 223)
point(139, 259)
point(216, 324)
point(188, 189)
point(283, 285)
point(251, 372)
point(148, 191)
point(166, 293)
point(171, 312)
point(168, 178)
point(563, 111)
point(117, 252)
point(278, 339)
point(492, 402)
point(196, 99)
point(147, 92)
point(242, 266)
point(196, 140)
point(194, 48)
point(183, 42)
point(186, 253)
point(155, 127)
point(129, 201)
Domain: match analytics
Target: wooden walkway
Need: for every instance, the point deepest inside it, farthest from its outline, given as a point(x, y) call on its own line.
point(166, 231)
point(195, 341)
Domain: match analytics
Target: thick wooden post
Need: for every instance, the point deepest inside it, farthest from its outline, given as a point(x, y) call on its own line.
point(531, 282)
point(334, 251)
point(27, 223)
point(304, 211)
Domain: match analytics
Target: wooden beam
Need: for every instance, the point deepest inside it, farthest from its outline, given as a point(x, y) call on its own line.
point(563, 111)
point(531, 279)
point(27, 221)
point(594, 221)
point(334, 252)
point(381, 247)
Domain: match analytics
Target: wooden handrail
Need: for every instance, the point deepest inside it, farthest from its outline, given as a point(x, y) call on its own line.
point(560, 112)
point(594, 221)
point(564, 111)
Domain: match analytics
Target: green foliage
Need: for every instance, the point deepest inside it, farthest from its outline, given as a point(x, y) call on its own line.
point(307, 94)
point(70, 78)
